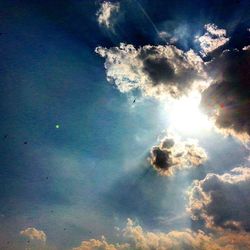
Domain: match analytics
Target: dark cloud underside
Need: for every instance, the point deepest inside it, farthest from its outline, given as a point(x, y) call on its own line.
point(228, 99)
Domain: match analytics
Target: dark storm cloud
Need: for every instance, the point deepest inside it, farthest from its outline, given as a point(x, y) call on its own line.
point(222, 201)
point(171, 155)
point(227, 101)
point(157, 71)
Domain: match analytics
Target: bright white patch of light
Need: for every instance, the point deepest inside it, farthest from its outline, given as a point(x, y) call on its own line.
point(185, 115)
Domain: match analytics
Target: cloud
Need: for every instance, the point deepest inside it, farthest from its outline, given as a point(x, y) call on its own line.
point(94, 244)
point(227, 100)
point(106, 13)
point(166, 36)
point(137, 238)
point(172, 155)
point(34, 234)
point(222, 201)
point(212, 39)
point(158, 71)
point(246, 47)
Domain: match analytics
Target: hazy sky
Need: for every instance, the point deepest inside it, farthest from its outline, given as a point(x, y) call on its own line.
point(126, 119)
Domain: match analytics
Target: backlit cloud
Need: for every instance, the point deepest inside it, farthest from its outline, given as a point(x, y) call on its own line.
point(106, 13)
point(222, 201)
point(172, 155)
point(155, 70)
point(102, 244)
point(227, 100)
point(212, 39)
point(139, 239)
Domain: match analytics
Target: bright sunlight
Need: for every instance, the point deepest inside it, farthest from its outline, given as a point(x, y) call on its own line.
point(186, 116)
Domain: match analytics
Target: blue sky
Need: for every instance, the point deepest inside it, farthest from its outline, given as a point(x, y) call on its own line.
point(86, 177)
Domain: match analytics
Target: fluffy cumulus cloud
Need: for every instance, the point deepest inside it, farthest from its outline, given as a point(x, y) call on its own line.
point(166, 71)
point(155, 70)
point(137, 238)
point(212, 39)
point(102, 244)
point(34, 234)
point(172, 155)
point(227, 100)
point(222, 201)
point(105, 15)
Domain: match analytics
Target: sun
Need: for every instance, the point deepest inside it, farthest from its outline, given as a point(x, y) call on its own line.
point(185, 115)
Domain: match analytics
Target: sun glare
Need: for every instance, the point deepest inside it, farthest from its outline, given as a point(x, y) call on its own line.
point(185, 115)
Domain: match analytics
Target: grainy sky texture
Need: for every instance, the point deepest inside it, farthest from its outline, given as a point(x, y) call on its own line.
point(125, 124)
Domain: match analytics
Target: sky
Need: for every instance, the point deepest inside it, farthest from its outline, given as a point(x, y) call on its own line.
point(124, 124)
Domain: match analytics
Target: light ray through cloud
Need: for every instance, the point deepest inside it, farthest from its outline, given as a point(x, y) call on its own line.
point(115, 111)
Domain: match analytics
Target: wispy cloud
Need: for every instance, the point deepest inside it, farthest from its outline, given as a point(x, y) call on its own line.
point(105, 15)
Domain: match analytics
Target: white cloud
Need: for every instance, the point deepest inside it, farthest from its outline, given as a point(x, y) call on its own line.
point(102, 244)
point(157, 71)
point(212, 39)
point(139, 239)
point(106, 12)
point(34, 234)
point(246, 47)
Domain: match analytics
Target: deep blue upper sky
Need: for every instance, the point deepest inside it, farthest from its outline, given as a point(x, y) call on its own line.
point(92, 171)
